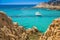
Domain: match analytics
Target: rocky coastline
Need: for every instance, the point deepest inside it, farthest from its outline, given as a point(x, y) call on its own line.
point(12, 31)
point(49, 6)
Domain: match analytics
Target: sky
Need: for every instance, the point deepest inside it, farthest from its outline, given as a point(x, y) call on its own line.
point(21, 1)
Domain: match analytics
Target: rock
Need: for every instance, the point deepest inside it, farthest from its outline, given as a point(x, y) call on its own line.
point(50, 38)
point(2, 35)
point(12, 31)
point(53, 32)
point(6, 30)
point(15, 24)
point(42, 37)
point(33, 33)
point(4, 20)
point(32, 30)
point(25, 36)
point(49, 6)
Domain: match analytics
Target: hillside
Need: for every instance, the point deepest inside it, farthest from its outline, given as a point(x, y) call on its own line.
point(52, 4)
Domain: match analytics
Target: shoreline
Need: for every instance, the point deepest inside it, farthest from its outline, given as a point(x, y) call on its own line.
point(12, 31)
point(45, 5)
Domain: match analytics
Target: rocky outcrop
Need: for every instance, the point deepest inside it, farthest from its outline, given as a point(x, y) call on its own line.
point(12, 31)
point(33, 33)
point(42, 5)
point(49, 6)
point(4, 20)
point(53, 32)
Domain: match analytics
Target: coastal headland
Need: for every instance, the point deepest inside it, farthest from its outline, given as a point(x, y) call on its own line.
point(52, 4)
point(12, 31)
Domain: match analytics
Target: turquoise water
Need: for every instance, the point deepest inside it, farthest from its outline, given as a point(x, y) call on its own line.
point(28, 18)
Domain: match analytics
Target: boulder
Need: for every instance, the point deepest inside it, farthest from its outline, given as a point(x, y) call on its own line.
point(5, 21)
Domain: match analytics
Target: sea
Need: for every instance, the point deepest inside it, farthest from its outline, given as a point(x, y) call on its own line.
point(25, 15)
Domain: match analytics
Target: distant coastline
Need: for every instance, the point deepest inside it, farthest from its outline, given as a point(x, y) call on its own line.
point(45, 5)
point(52, 4)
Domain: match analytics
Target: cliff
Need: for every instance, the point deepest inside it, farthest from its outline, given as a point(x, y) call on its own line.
point(12, 31)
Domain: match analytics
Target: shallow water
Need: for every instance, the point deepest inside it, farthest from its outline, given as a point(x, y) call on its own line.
point(28, 19)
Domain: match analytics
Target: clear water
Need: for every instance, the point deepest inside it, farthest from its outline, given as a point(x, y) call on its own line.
point(28, 19)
